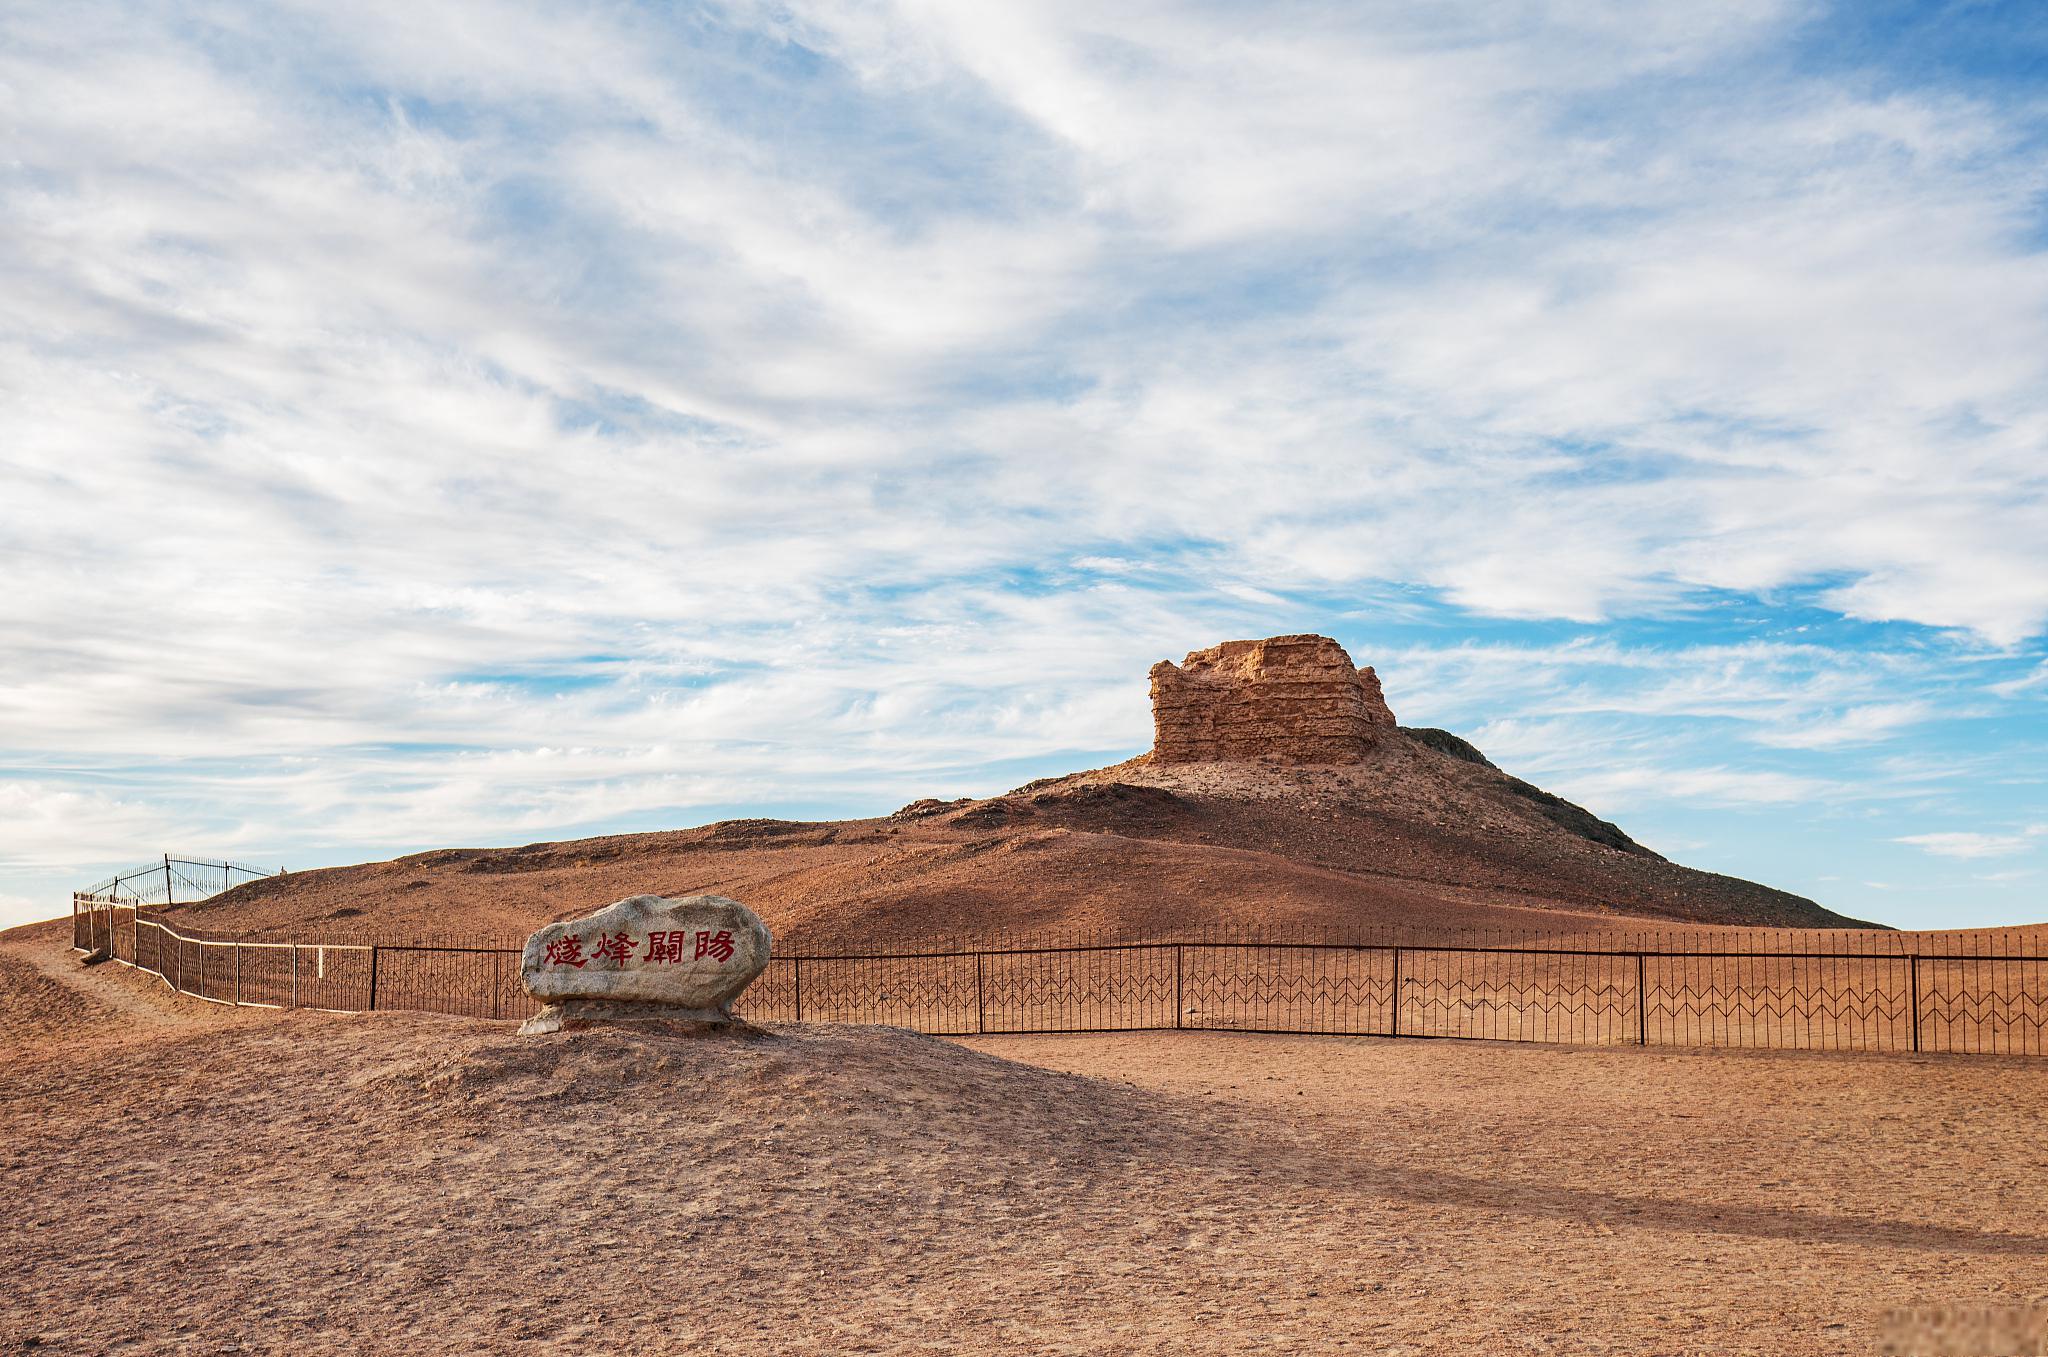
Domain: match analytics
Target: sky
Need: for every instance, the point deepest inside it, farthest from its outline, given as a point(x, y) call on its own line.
point(481, 423)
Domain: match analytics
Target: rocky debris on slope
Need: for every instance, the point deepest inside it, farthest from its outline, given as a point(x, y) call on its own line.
point(1577, 819)
point(1443, 742)
point(1119, 800)
point(1294, 698)
point(1298, 700)
point(928, 806)
point(1117, 807)
point(1565, 815)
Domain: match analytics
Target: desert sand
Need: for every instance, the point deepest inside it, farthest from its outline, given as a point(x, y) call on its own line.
point(189, 1177)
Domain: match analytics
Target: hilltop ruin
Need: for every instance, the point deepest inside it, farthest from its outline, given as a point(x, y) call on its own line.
point(1297, 699)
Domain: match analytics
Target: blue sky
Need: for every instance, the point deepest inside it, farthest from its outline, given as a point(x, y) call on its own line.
point(481, 423)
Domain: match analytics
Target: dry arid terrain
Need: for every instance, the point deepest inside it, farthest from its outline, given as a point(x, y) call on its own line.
point(1408, 835)
point(193, 1178)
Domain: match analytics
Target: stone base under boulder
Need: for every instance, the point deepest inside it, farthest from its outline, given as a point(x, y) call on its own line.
point(566, 1015)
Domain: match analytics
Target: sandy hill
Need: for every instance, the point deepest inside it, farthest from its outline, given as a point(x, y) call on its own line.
point(1280, 795)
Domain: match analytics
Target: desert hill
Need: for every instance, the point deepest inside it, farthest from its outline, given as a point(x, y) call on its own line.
point(1280, 794)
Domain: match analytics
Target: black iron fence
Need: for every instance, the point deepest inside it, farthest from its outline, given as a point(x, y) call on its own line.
point(169, 878)
point(1783, 989)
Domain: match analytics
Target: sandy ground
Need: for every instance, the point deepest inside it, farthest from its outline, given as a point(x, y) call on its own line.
point(190, 1178)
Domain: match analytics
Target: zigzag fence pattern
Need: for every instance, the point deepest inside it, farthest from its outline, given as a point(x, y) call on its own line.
point(1781, 989)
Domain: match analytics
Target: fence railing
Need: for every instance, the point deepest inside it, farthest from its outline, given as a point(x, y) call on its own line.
point(1856, 992)
point(162, 881)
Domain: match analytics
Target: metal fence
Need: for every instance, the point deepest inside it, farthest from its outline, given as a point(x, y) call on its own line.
point(1853, 990)
point(163, 881)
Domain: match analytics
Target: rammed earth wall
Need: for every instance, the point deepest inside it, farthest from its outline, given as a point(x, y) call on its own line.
point(1294, 698)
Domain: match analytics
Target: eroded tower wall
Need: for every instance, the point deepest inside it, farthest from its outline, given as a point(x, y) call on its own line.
point(1295, 698)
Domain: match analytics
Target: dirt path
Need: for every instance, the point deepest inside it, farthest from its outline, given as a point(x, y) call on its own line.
point(66, 971)
point(53, 995)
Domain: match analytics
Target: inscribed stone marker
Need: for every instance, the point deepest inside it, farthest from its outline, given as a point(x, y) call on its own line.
point(647, 958)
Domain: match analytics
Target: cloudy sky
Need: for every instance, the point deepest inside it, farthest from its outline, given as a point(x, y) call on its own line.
point(476, 423)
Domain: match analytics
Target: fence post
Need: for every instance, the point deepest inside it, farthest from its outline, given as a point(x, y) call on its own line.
point(980, 1002)
point(1642, 1004)
point(295, 975)
point(238, 975)
point(1394, 1008)
point(170, 898)
point(1914, 969)
point(374, 949)
point(1177, 1008)
point(798, 963)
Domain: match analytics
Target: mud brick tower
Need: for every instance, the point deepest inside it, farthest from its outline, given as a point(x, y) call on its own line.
point(1293, 698)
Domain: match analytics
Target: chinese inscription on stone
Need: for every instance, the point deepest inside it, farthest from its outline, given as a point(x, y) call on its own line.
point(645, 958)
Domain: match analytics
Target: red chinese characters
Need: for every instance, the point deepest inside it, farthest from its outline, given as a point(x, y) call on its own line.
point(665, 946)
point(613, 947)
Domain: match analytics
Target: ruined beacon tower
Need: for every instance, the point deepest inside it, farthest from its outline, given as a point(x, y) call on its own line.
point(1294, 698)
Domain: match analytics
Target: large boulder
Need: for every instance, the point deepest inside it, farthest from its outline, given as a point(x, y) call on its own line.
point(647, 958)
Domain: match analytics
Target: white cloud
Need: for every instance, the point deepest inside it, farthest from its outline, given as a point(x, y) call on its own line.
point(51, 825)
point(2037, 679)
point(1974, 844)
point(1855, 725)
point(1710, 786)
point(879, 408)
